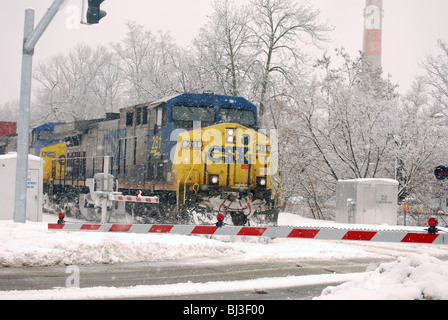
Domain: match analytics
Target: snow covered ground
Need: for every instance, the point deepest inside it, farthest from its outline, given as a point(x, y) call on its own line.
point(417, 273)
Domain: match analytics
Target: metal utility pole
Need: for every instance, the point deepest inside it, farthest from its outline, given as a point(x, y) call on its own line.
point(30, 38)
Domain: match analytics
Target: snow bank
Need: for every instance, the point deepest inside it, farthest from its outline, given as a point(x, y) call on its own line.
point(31, 244)
point(416, 277)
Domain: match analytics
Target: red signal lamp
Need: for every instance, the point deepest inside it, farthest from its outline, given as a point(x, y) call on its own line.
point(441, 172)
point(432, 223)
point(61, 218)
point(220, 219)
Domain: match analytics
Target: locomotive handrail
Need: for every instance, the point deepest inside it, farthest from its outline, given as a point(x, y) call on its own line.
point(178, 189)
point(280, 185)
point(188, 176)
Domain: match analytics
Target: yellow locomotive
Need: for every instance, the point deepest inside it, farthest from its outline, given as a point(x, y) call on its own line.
point(227, 168)
point(202, 155)
point(52, 155)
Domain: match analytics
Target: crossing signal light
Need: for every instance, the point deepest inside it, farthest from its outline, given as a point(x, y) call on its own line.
point(432, 223)
point(61, 218)
point(441, 172)
point(94, 14)
point(220, 219)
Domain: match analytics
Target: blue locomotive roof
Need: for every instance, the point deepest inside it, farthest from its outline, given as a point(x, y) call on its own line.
point(207, 99)
point(47, 126)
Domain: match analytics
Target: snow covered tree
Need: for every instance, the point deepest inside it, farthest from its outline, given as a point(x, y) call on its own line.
point(350, 123)
point(82, 85)
point(281, 29)
point(153, 66)
point(436, 77)
point(417, 136)
point(137, 57)
point(254, 50)
point(8, 111)
point(342, 128)
point(224, 48)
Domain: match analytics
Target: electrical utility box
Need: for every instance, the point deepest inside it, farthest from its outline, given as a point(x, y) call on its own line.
point(34, 194)
point(367, 201)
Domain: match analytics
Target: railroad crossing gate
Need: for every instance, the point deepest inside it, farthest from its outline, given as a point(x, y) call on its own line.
point(272, 232)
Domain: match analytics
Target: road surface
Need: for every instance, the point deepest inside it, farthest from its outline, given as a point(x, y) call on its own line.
point(162, 273)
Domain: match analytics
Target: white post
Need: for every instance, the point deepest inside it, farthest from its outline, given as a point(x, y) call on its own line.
point(30, 38)
point(105, 189)
point(24, 124)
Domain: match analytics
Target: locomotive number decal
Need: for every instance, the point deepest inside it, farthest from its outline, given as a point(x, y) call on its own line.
point(156, 146)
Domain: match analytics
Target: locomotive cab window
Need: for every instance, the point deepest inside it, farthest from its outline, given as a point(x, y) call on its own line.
point(145, 115)
point(129, 118)
point(49, 135)
point(244, 117)
point(33, 137)
point(138, 116)
point(157, 117)
point(185, 115)
point(142, 116)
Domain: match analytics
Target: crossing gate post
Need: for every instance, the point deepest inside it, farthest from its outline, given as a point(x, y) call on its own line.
point(104, 191)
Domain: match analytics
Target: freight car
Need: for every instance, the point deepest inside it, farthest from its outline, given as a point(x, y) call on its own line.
point(8, 137)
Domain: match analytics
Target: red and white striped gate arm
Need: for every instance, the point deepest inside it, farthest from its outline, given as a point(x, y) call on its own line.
point(134, 199)
point(273, 232)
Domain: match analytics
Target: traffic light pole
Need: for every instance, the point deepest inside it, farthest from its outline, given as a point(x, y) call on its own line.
point(31, 37)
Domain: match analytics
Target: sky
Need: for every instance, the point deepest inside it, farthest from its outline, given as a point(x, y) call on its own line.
point(410, 30)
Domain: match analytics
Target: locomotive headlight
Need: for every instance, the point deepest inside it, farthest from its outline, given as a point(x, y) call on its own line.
point(262, 181)
point(231, 132)
point(213, 179)
point(230, 135)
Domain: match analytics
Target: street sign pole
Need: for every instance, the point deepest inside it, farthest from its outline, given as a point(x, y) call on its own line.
point(24, 124)
point(31, 36)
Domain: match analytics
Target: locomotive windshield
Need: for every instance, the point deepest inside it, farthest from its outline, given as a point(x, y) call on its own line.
point(188, 114)
point(244, 117)
point(49, 135)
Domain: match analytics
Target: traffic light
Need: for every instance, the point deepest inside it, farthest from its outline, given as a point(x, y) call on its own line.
point(94, 14)
point(441, 172)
